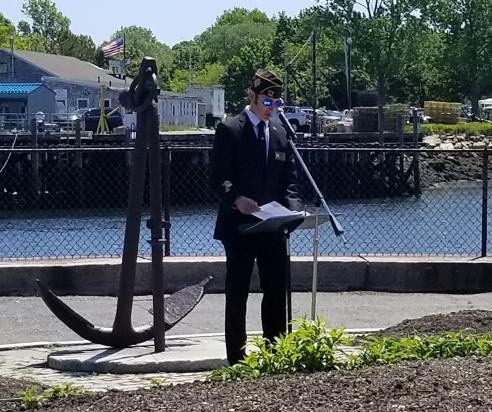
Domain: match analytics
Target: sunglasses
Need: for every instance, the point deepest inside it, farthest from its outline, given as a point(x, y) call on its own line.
point(271, 102)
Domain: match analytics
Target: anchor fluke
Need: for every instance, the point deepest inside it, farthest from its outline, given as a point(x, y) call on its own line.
point(182, 302)
point(177, 306)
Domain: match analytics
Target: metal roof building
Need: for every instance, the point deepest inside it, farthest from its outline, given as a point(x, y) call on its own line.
point(26, 98)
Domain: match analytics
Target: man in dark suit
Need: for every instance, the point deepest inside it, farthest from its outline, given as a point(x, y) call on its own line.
point(253, 165)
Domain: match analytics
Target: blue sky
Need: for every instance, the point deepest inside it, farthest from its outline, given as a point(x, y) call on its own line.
point(170, 21)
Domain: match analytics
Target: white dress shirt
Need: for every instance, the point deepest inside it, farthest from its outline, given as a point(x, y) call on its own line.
point(255, 120)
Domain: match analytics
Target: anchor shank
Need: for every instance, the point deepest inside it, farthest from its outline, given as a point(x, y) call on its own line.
point(156, 229)
point(122, 322)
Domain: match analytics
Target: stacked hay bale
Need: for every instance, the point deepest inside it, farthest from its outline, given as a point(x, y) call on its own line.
point(443, 112)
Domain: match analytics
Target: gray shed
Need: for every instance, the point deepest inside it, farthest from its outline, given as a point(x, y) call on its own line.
point(26, 98)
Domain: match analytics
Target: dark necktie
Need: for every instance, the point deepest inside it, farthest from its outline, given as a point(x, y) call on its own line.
point(261, 138)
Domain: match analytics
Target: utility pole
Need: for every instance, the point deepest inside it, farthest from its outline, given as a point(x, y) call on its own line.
point(11, 37)
point(286, 81)
point(190, 70)
point(314, 128)
point(348, 65)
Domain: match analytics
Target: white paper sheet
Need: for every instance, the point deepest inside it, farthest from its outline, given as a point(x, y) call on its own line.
point(274, 209)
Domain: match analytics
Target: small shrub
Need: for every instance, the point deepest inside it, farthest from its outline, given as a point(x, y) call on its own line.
point(311, 347)
point(469, 129)
point(31, 399)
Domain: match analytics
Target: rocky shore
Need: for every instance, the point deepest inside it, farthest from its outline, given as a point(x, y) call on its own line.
point(442, 167)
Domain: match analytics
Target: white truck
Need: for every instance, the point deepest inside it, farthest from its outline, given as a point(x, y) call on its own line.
point(213, 100)
point(299, 119)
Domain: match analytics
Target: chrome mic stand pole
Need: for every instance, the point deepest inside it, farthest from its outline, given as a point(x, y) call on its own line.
point(335, 224)
point(315, 261)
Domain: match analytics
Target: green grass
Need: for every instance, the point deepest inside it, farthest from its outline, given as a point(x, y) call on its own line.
point(469, 129)
point(175, 128)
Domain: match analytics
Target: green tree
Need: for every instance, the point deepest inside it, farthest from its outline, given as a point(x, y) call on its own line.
point(24, 28)
point(80, 46)
point(233, 30)
point(419, 76)
point(210, 75)
point(21, 42)
point(186, 53)
point(239, 72)
point(6, 29)
point(467, 59)
point(141, 42)
point(47, 21)
point(379, 28)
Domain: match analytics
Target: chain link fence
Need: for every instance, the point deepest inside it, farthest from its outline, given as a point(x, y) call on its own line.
point(71, 202)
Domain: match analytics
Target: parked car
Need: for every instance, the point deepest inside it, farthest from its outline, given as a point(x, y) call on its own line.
point(91, 119)
point(298, 118)
point(421, 117)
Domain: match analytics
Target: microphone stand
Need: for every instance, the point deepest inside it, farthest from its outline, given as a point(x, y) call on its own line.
point(319, 201)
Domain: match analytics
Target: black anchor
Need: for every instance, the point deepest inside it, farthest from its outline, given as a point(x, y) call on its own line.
point(167, 312)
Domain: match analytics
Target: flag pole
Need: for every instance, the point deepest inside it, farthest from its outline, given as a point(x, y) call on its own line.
point(124, 56)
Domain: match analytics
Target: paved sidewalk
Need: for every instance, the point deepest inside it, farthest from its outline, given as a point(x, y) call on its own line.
point(30, 363)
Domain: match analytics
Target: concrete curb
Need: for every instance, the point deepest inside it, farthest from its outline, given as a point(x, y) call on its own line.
point(183, 354)
point(100, 277)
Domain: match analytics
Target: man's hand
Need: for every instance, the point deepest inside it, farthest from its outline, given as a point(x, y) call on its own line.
point(246, 205)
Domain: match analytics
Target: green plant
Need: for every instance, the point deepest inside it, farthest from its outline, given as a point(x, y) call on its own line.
point(174, 128)
point(389, 350)
point(31, 399)
point(157, 382)
point(311, 347)
point(469, 129)
point(63, 391)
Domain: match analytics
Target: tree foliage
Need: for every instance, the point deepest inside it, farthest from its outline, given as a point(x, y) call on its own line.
point(409, 50)
point(465, 26)
point(48, 22)
point(140, 42)
point(233, 30)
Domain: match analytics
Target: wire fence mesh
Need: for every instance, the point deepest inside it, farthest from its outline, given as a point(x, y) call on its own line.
point(65, 203)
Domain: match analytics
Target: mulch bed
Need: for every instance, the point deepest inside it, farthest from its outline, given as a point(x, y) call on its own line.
point(441, 385)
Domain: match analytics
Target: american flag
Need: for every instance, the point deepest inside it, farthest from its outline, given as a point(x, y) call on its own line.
point(113, 48)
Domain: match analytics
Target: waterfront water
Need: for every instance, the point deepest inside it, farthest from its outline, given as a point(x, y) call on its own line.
point(444, 221)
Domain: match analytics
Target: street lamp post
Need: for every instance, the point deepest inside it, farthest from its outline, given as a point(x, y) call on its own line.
point(348, 65)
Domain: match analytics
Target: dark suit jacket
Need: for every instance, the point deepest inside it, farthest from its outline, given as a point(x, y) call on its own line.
point(240, 169)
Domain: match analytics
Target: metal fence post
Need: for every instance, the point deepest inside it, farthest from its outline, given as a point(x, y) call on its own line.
point(485, 200)
point(400, 130)
point(35, 184)
point(79, 164)
point(166, 184)
point(416, 155)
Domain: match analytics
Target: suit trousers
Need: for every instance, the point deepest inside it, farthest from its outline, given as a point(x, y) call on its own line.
point(269, 252)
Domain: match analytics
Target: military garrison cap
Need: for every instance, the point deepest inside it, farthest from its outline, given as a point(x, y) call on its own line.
point(266, 82)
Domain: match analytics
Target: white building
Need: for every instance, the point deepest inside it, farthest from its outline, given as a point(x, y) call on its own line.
point(214, 100)
point(177, 109)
